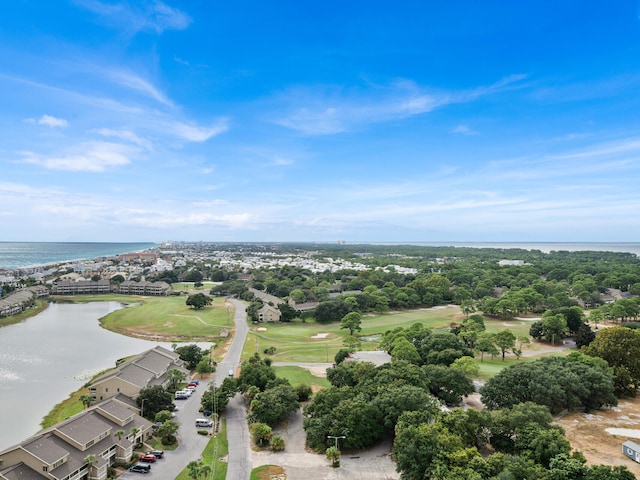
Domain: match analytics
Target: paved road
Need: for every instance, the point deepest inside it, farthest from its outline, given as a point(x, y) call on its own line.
point(239, 460)
point(191, 444)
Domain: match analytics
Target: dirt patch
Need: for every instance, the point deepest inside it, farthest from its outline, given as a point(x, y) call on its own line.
point(588, 433)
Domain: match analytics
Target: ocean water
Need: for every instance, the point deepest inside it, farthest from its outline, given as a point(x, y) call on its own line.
point(15, 255)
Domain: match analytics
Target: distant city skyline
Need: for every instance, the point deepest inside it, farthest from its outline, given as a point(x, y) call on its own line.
point(333, 121)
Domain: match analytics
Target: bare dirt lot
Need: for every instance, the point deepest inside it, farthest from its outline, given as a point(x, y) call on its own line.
point(588, 433)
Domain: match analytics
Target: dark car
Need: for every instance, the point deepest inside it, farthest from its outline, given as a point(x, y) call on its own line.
point(140, 468)
point(148, 457)
point(156, 453)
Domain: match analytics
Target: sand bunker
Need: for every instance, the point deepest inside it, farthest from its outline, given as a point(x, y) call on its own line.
point(625, 432)
point(261, 329)
point(320, 335)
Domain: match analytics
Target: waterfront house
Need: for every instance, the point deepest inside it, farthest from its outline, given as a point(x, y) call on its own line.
point(145, 370)
point(105, 433)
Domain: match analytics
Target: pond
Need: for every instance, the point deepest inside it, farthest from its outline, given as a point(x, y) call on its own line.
point(47, 357)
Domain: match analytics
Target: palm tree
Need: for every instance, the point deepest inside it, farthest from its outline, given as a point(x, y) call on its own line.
point(119, 434)
point(133, 432)
point(192, 469)
point(86, 400)
point(91, 460)
point(175, 376)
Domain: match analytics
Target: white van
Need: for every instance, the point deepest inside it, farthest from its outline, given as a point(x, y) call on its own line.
point(181, 395)
point(204, 422)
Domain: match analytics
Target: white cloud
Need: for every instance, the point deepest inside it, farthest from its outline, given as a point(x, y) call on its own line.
point(330, 110)
point(137, 83)
point(52, 122)
point(143, 15)
point(126, 135)
point(196, 133)
point(463, 130)
point(86, 157)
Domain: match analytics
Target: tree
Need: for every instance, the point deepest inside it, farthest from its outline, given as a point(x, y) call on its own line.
point(467, 365)
point(505, 340)
point(351, 321)
point(91, 461)
point(287, 312)
point(86, 400)
point(167, 431)
point(556, 382)
point(273, 404)
point(277, 443)
point(156, 399)
point(255, 371)
point(191, 354)
point(403, 349)
point(554, 327)
point(333, 455)
point(620, 347)
point(448, 384)
point(584, 336)
point(175, 377)
point(261, 433)
point(198, 301)
point(162, 416)
point(119, 434)
point(204, 366)
point(486, 344)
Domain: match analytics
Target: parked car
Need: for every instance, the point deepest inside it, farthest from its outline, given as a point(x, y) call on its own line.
point(182, 395)
point(140, 468)
point(195, 381)
point(147, 457)
point(192, 384)
point(204, 422)
point(189, 389)
point(156, 453)
point(231, 373)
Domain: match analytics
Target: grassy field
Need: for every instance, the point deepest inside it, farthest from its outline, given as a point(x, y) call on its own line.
point(65, 409)
point(170, 319)
point(301, 376)
point(315, 342)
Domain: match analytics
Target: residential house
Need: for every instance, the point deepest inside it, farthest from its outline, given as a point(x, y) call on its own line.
point(145, 370)
point(65, 287)
point(107, 433)
point(268, 314)
point(130, 287)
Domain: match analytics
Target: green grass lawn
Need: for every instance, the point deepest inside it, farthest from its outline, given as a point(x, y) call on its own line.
point(65, 409)
point(169, 318)
point(301, 376)
point(295, 341)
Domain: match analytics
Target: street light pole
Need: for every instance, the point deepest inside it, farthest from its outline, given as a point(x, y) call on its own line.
point(336, 438)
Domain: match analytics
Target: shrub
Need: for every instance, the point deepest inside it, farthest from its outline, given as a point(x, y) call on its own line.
point(277, 443)
point(203, 432)
point(303, 392)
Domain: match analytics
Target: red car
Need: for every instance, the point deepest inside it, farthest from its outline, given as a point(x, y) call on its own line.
point(148, 457)
point(194, 385)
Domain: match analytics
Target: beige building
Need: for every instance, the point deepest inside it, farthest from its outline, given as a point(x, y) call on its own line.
point(106, 431)
point(144, 370)
point(268, 314)
point(144, 288)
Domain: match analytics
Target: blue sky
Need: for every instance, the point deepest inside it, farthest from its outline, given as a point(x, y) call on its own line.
point(319, 121)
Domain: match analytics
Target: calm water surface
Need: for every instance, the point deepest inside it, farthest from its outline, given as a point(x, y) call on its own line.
point(45, 358)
